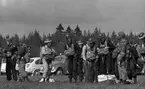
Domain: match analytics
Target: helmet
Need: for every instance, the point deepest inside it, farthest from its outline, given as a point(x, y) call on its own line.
point(90, 40)
point(141, 35)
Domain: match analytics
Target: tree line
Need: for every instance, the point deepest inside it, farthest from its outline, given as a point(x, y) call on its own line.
point(35, 40)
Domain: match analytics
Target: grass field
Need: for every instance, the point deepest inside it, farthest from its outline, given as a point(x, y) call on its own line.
point(62, 83)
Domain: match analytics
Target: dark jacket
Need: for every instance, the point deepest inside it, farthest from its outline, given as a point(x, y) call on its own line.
point(22, 51)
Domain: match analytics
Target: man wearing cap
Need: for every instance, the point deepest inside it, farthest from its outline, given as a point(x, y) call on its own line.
point(141, 49)
point(90, 61)
point(47, 54)
point(103, 52)
point(70, 52)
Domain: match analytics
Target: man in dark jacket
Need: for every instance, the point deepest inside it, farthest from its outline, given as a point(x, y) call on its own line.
point(10, 52)
point(79, 59)
point(22, 50)
point(72, 59)
point(132, 57)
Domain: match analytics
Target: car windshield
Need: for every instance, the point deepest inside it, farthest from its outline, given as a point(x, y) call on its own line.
point(31, 60)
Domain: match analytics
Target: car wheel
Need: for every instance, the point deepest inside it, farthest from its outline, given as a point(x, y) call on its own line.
point(59, 71)
point(1, 73)
point(36, 73)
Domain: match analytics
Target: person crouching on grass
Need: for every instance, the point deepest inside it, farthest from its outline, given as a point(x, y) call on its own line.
point(47, 54)
point(22, 61)
point(23, 76)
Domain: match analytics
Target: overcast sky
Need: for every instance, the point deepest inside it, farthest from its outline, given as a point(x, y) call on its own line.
point(23, 16)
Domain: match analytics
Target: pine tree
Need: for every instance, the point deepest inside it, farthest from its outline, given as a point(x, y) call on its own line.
point(89, 34)
point(23, 39)
point(131, 37)
point(49, 35)
point(69, 30)
point(114, 37)
point(44, 37)
point(77, 30)
point(1, 40)
point(108, 35)
point(15, 39)
point(96, 33)
point(85, 33)
point(60, 28)
point(77, 33)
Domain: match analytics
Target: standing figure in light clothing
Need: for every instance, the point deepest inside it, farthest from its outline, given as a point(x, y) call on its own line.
point(47, 55)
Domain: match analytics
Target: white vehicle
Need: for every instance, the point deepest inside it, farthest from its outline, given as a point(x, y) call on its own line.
point(3, 66)
point(34, 65)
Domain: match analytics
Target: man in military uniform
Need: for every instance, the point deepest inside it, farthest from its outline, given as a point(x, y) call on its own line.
point(103, 52)
point(119, 53)
point(132, 58)
point(141, 50)
point(89, 54)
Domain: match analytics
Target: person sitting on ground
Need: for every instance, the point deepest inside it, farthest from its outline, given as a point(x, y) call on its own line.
point(22, 61)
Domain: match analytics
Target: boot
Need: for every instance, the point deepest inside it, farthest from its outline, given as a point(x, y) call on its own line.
point(96, 79)
point(42, 80)
point(80, 79)
point(75, 78)
point(135, 80)
point(51, 80)
point(125, 82)
point(117, 81)
point(70, 80)
point(130, 80)
point(46, 80)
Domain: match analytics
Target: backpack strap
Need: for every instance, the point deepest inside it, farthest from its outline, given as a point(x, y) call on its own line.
point(93, 49)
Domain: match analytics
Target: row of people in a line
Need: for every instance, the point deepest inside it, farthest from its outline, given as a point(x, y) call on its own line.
point(86, 61)
point(89, 60)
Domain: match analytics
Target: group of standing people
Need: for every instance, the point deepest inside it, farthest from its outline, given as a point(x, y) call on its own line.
point(85, 61)
point(88, 60)
point(15, 54)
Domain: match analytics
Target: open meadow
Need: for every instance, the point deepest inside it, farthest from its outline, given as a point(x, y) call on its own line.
point(62, 83)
